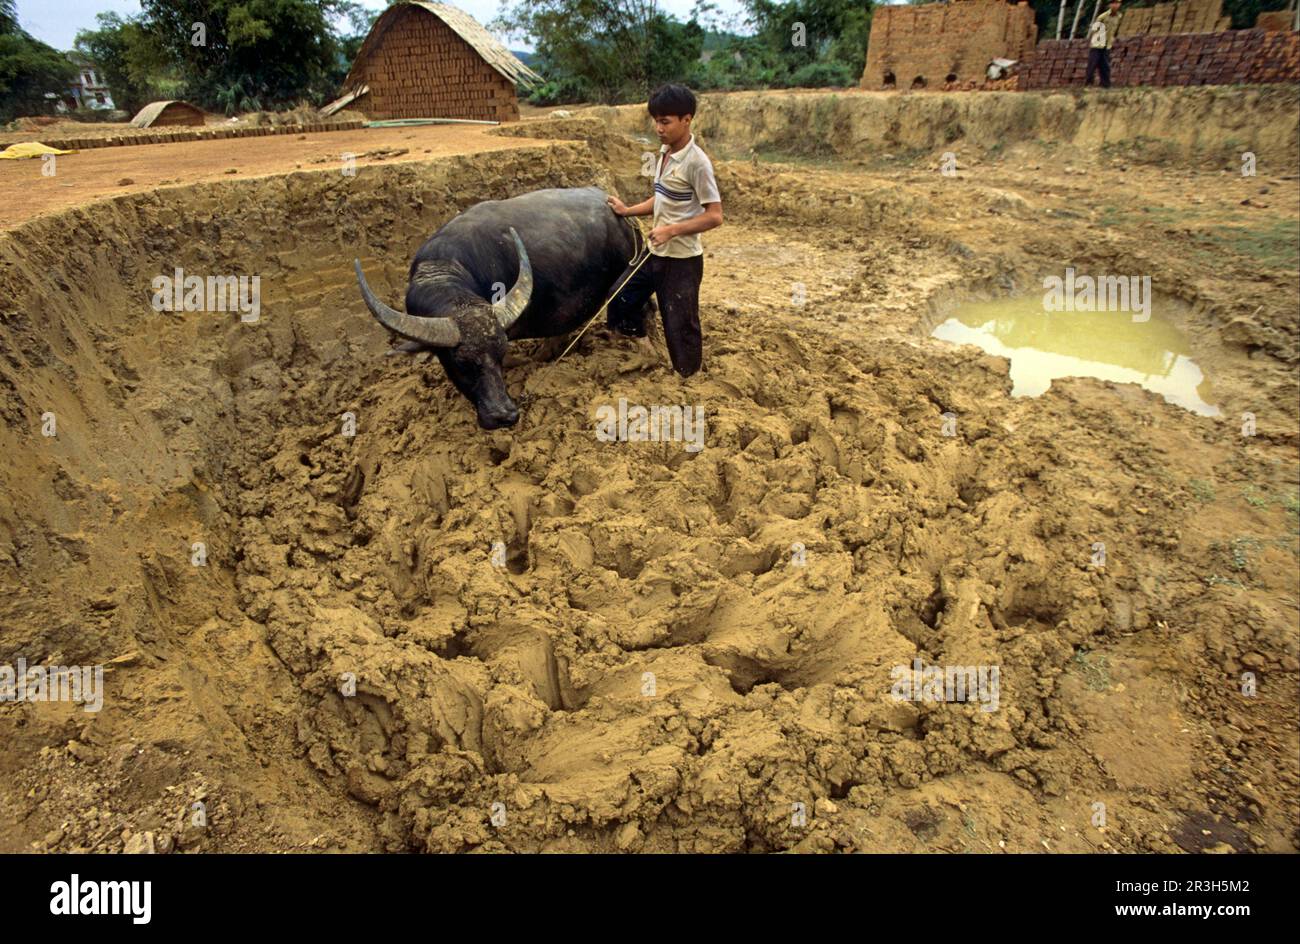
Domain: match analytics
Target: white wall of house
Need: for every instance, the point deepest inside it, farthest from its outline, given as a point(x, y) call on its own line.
point(90, 91)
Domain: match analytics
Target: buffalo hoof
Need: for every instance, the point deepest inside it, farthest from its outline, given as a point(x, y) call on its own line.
point(498, 420)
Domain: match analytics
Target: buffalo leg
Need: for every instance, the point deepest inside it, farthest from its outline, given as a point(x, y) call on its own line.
point(627, 311)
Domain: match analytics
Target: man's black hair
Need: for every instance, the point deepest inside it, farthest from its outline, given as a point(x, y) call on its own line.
point(672, 99)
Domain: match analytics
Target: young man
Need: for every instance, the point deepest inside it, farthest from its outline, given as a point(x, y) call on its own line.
point(685, 203)
point(1101, 37)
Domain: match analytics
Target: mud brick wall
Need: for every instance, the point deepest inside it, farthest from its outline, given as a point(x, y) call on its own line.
point(1275, 20)
point(942, 40)
point(1180, 16)
point(420, 68)
point(177, 115)
point(1251, 57)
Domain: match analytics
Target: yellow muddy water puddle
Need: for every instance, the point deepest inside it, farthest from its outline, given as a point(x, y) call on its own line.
point(1044, 345)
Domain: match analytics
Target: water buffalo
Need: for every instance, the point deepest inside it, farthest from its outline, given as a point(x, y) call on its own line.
point(561, 252)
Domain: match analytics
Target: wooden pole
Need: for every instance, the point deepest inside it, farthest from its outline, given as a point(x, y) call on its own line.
point(1096, 7)
point(1078, 8)
point(1060, 16)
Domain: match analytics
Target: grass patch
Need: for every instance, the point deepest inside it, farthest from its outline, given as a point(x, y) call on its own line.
point(1254, 496)
point(1141, 150)
point(768, 155)
point(1110, 216)
point(1236, 555)
point(1214, 580)
point(1257, 497)
point(1095, 670)
point(1241, 550)
point(1275, 244)
point(823, 119)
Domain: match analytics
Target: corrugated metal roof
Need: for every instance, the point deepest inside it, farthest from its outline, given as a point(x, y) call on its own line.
point(466, 27)
point(147, 115)
point(344, 100)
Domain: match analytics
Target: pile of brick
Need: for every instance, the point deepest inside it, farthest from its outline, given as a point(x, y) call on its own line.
point(1276, 20)
point(420, 68)
point(1010, 84)
point(131, 136)
point(1179, 16)
point(942, 44)
point(1250, 57)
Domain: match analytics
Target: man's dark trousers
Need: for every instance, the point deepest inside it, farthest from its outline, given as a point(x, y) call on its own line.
point(676, 284)
point(1098, 61)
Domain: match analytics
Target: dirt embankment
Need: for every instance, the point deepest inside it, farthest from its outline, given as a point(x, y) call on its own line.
point(88, 175)
point(560, 643)
point(1182, 125)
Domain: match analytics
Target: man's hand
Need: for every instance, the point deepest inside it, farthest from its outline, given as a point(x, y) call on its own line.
point(617, 205)
point(661, 234)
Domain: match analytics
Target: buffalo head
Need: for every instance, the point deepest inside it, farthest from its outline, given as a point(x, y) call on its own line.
point(467, 332)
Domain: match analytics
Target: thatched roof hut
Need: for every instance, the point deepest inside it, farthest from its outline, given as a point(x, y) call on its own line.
point(433, 60)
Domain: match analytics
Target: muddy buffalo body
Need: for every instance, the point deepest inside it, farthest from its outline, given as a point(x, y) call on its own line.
point(560, 251)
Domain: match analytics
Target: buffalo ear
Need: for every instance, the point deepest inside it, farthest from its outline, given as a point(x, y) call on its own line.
point(407, 347)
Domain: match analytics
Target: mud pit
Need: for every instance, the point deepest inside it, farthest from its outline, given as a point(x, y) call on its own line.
point(828, 532)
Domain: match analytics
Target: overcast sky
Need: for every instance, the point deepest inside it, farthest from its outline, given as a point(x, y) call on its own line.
point(56, 21)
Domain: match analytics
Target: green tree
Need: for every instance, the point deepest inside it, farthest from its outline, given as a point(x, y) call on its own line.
point(128, 56)
point(603, 50)
point(831, 34)
point(28, 69)
point(617, 50)
point(252, 54)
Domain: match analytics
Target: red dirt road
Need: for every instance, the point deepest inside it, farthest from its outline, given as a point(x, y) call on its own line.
point(94, 174)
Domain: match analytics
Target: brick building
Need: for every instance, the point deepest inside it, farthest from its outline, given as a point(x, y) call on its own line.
point(926, 46)
point(434, 60)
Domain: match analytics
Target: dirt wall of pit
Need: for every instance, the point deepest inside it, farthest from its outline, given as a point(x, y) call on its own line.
point(1192, 124)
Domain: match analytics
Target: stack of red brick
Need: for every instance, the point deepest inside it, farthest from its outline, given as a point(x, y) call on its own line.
point(1178, 16)
point(1237, 56)
point(1009, 84)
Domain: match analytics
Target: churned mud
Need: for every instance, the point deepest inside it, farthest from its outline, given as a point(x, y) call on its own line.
point(409, 634)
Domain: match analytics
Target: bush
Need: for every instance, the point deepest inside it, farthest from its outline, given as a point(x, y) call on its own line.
point(823, 75)
point(563, 91)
